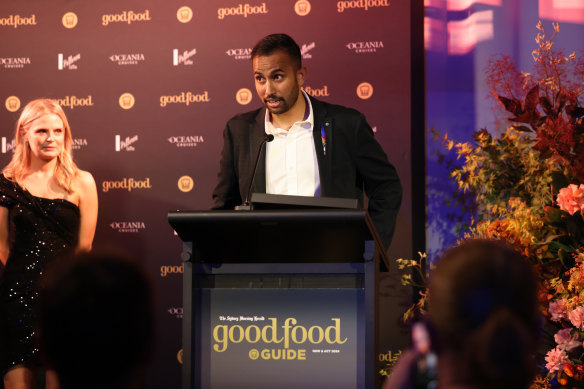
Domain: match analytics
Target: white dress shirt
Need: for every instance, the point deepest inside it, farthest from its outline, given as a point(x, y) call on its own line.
point(291, 164)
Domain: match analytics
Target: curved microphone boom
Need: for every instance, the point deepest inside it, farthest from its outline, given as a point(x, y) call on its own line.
point(246, 206)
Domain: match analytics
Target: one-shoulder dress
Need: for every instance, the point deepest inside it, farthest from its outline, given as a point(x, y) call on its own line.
point(40, 230)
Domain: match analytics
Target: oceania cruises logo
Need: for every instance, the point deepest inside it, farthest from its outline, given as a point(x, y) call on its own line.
point(127, 59)
point(365, 47)
point(239, 53)
point(128, 226)
point(305, 50)
point(78, 143)
point(14, 63)
point(7, 146)
point(126, 144)
point(186, 140)
point(69, 62)
point(182, 59)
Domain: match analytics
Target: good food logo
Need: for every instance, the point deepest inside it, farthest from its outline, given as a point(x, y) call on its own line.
point(74, 101)
point(128, 184)
point(18, 21)
point(242, 10)
point(317, 92)
point(12, 103)
point(165, 270)
point(186, 98)
point(128, 17)
point(290, 334)
point(363, 4)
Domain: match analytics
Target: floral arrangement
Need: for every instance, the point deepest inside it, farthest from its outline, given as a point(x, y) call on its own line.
point(527, 188)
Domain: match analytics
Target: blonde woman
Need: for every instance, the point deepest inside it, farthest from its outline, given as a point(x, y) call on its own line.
point(47, 206)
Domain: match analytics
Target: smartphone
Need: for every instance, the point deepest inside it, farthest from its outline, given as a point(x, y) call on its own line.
point(426, 370)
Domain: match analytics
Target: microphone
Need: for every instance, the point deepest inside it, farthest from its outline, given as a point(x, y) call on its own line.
point(246, 206)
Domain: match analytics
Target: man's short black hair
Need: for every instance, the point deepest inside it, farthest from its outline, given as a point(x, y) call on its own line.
point(274, 42)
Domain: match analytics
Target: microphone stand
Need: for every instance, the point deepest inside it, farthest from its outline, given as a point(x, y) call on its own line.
point(247, 206)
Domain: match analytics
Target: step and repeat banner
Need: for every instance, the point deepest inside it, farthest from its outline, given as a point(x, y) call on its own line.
point(148, 86)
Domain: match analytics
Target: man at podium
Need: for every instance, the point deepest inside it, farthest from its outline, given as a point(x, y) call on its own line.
point(312, 148)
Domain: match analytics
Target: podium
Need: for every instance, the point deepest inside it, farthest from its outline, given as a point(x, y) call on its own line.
point(279, 298)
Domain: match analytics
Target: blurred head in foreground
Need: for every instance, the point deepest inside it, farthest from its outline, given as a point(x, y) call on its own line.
point(95, 321)
point(483, 306)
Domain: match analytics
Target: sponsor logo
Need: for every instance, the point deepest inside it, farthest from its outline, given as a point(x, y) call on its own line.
point(317, 92)
point(364, 90)
point(79, 143)
point(185, 184)
point(185, 98)
point(183, 58)
point(128, 17)
point(126, 100)
point(70, 20)
point(176, 312)
point(302, 7)
point(127, 59)
point(67, 63)
point(179, 356)
point(184, 14)
point(291, 333)
point(74, 101)
point(242, 10)
point(128, 226)
point(363, 4)
point(186, 140)
point(239, 53)
point(365, 47)
point(18, 21)
point(14, 63)
point(165, 270)
point(243, 96)
point(126, 144)
point(12, 103)
point(8, 146)
point(305, 50)
point(128, 184)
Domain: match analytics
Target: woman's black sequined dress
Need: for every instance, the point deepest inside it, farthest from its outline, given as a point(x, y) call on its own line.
point(40, 230)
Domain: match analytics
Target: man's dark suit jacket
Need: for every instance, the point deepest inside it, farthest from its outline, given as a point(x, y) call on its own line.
point(354, 160)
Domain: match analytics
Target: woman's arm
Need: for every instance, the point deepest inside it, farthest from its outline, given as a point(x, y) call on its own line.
point(87, 209)
point(4, 235)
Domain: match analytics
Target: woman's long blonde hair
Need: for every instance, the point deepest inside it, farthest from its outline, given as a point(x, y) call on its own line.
point(65, 169)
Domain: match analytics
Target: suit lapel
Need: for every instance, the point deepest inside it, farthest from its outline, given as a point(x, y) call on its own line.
point(258, 131)
point(323, 123)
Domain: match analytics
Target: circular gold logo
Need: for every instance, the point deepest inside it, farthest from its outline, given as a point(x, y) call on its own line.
point(243, 96)
point(254, 354)
point(184, 14)
point(70, 20)
point(185, 184)
point(12, 103)
point(364, 90)
point(179, 356)
point(302, 7)
point(127, 100)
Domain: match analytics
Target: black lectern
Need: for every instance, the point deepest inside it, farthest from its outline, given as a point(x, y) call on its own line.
point(278, 298)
